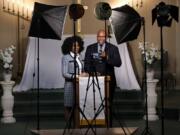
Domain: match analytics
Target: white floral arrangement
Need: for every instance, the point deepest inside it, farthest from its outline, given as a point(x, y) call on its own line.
point(6, 57)
point(153, 53)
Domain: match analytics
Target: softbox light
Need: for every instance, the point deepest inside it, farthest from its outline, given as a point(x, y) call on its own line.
point(48, 21)
point(126, 23)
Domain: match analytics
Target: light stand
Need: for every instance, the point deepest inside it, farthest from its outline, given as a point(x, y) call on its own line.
point(164, 15)
point(76, 11)
point(103, 12)
point(126, 23)
point(112, 114)
point(147, 130)
point(107, 101)
point(41, 27)
point(75, 105)
point(162, 82)
point(121, 122)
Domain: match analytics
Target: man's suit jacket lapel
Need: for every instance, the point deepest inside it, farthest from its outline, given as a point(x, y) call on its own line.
point(95, 48)
point(106, 47)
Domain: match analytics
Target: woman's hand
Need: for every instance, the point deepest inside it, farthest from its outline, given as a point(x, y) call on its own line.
point(84, 74)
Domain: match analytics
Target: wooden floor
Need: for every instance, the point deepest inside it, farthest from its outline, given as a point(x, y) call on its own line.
point(99, 131)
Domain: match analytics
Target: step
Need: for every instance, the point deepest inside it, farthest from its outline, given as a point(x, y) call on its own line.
point(44, 105)
point(128, 94)
point(128, 104)
point(27, 115)
point(129, 114)
point(43, 95)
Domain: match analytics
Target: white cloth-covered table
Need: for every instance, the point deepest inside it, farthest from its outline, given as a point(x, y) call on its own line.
point(50, 65)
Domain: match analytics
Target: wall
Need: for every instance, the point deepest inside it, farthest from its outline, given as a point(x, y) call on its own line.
point(177, 56)
point(9, 32)
point(90, 25)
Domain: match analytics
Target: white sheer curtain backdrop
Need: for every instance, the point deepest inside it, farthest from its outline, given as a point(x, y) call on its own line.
point(50, 65)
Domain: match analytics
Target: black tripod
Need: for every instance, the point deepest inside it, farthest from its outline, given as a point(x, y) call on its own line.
point(94, 82)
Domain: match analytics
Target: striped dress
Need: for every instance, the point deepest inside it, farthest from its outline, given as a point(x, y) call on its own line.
point(68, 74)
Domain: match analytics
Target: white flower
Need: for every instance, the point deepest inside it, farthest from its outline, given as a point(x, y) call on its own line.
point(6, 53)
point(11, 51)
point(6, 65)
point(13, 47)
point(152, 53)
point(6, 57)
point(10, 66)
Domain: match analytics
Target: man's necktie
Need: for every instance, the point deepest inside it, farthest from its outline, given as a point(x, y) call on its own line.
point(100, 49)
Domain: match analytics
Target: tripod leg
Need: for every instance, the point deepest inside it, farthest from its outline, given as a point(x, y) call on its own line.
point(90, 125)
point(96, 113)
point(114, 115)
point(97, 84)
point(100, 109)
point(102, 101)
point(147, 131)
point(120, 123)
point(88, 86)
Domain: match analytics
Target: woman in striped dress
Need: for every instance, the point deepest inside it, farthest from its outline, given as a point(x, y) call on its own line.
point(71, 49)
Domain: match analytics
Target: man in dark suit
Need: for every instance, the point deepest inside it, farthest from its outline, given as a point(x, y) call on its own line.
point(102, 57)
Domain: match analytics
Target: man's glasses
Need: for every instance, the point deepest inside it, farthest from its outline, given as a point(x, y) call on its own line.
point(101, 36)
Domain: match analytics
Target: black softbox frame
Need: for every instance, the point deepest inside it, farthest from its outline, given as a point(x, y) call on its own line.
point(126, 23)
point(51, 19)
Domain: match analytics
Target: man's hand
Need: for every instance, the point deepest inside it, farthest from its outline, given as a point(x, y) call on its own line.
point(104, 55)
